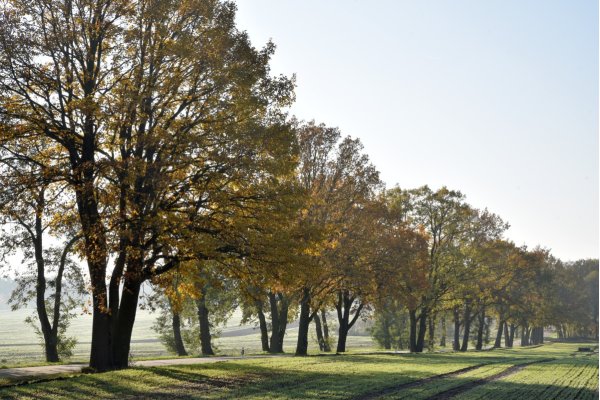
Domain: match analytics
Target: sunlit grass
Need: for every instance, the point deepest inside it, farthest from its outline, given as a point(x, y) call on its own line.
point(339, 377)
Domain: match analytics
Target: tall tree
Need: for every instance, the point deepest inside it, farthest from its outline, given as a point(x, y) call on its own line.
point(444, 216)
point(34, 213)
point(163, 111)
point(336, 177)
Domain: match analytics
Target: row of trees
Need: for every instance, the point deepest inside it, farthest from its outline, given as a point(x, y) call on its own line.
point(149, 139)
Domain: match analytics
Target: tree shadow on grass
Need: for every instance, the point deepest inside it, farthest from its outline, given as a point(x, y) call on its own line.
point(338, 380)
point(499, 390)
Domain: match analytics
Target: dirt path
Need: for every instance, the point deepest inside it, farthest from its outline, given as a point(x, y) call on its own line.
point(451, 393)
point(47, 370)
point(392, 389)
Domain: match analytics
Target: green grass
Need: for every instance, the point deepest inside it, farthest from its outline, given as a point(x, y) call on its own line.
point(341, 377)
point(19, 346)
point(574, 376)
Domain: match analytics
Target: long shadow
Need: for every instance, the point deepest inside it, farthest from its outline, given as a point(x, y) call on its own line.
point(454, 391)
point(241, 380)
point(511, 391)
point(391, 389)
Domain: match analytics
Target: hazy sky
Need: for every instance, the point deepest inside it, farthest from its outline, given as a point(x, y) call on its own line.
point(496, 98)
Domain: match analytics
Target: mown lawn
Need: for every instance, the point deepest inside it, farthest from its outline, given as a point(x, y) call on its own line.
point(342, 377)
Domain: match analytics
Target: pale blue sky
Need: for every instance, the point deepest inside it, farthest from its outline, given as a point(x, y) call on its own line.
point(496, 98)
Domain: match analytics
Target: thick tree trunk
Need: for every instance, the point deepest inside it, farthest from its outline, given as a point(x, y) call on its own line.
point(512, 334)
point(95, 249)
point(84, 173)
point(537, 335)
point(506, 336)
point(498, 342)
point(342, 336)
point(179, 346)
point(480, 328)
point(279, 314)
point(262, 322)
point(274, 348)
point(303, 323)
point(343, 308)
point(319, 331)
point(412, 337)
point(456, 341)
point(422, 330)
point(205, 337)
point(443, 328)
point(327, 342)
point(126, 318)
point(101, 353)
point(467, 327)
point(430, 342)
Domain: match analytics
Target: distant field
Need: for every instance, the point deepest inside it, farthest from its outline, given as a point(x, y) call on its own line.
point(552, 371)
point(19, 344)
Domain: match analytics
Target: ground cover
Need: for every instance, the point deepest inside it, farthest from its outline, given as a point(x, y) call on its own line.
point(351, 376)
point(572, 377)
point(19, 346)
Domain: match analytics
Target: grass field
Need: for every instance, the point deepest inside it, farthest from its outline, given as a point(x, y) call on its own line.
point(19, 345)
point(552, 371)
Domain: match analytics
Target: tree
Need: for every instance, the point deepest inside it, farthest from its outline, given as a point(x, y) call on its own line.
point(30, 201)
point(573, 301)
point(443, 215)
point(471, 291)
point(159, 113)
point(337, 177)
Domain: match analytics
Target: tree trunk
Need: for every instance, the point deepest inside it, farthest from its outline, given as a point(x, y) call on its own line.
point(387, 339)
point(412, 338)
point(443, 328)
point(179, 347)
point(96, 255)
point(456, 341)
point(506, 336)
point(319, 331)
point(537, 335)
point(498, 342)
point(559, 331)
point(343, 308)
point(53, 343)
point(279, 314)
point(431, 343)
point(205, 337)
point(50, 338)
point(480, 328)
point(422, 330)
point(274, 348)
point(262, 322)
point(525, 331)
point(512, 334)
point(126, 318)
point(304, 322)
point(327, 342)
point(467, 327)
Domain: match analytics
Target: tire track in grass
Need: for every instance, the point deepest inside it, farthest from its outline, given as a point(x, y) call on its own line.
point(408, 385)
point(451, 393)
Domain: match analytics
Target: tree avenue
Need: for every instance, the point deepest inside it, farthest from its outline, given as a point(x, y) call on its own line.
point(149, 139)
